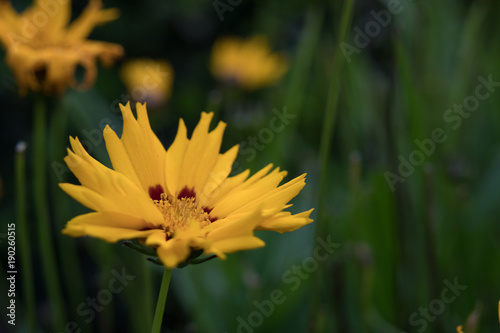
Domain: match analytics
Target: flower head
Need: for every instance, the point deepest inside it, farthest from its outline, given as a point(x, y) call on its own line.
point(179, 201)
point(249, 64)
point(43, 49)
point(148, 80)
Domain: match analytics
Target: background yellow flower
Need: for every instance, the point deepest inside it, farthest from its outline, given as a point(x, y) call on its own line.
point(249, 64)
point(43, 49)
point(148, 80)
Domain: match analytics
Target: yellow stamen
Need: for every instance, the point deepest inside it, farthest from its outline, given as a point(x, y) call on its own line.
point(177, 213)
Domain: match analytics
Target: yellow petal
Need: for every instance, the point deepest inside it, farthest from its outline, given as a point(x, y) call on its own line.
point(124, 195)
point(108, 226)
point(91, 17)
point(219, 173)
point(241, 196)
point(230, 235)
point(174, 158)
point(10, 24)
point(276, 199)
point(145, 151)
point(285, 221)
point(221, 247)
point(201, 153)
point(227, 185)
point(157, 238)
point(59, 13)
point(173, 252)
point(88, 198)
point(118, 155)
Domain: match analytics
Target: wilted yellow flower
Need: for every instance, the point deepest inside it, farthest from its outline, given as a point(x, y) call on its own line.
point(246, 63)
point(180, 201)
point(148, 80)
point(43, 49)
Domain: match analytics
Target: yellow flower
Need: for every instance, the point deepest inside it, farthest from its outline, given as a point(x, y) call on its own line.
point(179, 200)
point(460, 327)
point(43, 51)
point(148, 80)
point(246, 63)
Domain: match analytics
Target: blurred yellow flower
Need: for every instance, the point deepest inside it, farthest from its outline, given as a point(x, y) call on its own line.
point(460, 327)
point(43, 49)
point(180, 201)
point(249, 64)
point(148, 80)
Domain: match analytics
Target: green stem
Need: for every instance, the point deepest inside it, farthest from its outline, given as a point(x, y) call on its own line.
point(326, 139)
point(44, 227)
point(23, 236)
point(299, 79)
point(71, 268)
point(306, 50)
point(332, 102)
point(147, 290)
point(160, 305)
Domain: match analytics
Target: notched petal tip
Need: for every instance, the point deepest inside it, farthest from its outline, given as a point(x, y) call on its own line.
point(124, 106)
point(126, 111)
point(207, 113)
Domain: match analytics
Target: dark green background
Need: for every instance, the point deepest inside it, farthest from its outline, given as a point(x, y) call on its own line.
point(396, 247)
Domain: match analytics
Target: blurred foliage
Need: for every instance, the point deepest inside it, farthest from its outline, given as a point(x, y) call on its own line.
point(396, 247)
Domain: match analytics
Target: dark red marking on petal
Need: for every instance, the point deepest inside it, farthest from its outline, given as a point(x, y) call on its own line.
point(208, 211)
point(155, 192)
point(186, 193)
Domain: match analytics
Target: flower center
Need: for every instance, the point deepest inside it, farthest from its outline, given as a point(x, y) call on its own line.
point(179, 212)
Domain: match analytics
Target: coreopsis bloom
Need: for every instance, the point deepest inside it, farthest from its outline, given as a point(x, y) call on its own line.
point(43, 49)
point(460, 327)
point(179, 201)
point(249, 64)
point(148, 80)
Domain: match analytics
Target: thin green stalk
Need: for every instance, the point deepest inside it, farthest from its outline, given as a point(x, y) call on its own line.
point(147, 290)
point(23, 237)
point(106, 257)
point(299, 79)
point(71, 270)
point(326, 138)
point(430, 239)
point(160, 305)
point(332, 104)
point(307, 48)
point(45, 239)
